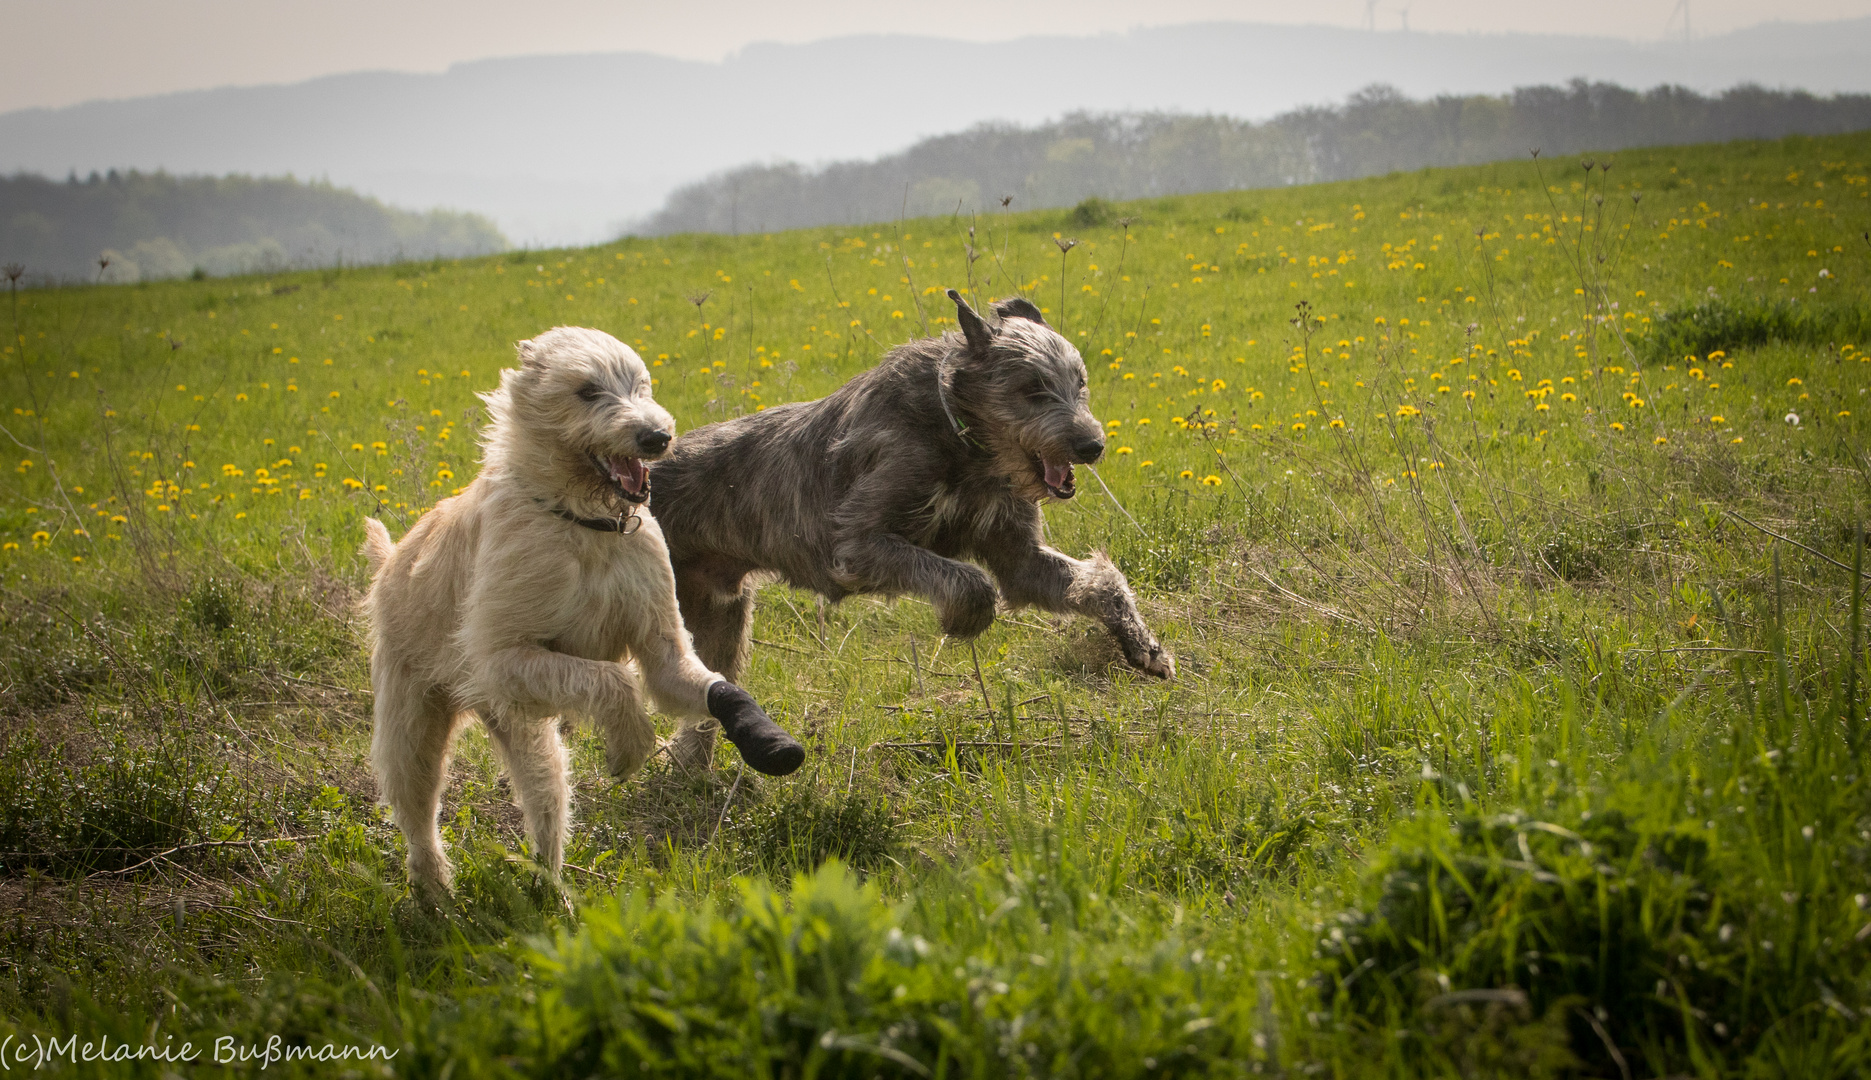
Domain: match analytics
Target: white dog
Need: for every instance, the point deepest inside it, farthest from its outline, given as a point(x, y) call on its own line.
point(532, 593)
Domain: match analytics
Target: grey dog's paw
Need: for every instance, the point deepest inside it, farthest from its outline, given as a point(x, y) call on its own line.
point(971, 610)
point(1150, 657)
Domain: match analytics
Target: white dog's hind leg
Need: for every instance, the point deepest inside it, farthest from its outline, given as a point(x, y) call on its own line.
point(536, 764)
point(409, 750)
point(692, 747)
point(628, 734)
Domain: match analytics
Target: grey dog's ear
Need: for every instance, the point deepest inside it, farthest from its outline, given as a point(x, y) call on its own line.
point(972, 327)
point(1018, 307)
point(529, 353)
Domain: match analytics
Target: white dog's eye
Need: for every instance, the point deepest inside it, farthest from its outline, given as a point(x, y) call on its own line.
point(589, 392)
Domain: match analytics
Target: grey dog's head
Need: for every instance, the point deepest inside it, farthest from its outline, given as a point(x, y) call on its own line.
point(1025, 387)
point(576, 417)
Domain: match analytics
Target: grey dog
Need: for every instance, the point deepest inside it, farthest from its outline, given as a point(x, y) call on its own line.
point(942, 452)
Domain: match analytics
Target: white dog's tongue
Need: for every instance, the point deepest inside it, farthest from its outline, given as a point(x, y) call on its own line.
point(1058, 477)
point(630, 473)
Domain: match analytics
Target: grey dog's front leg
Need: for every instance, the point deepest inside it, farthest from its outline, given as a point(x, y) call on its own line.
point(1053, 581)
point(963, 595)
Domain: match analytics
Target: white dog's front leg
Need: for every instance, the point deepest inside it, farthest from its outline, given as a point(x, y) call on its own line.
point(628, 734)
point(677, 679)
point(544, 682)
point(536, 764)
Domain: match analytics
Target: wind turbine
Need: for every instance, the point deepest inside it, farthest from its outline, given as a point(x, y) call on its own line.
point(1682, 6)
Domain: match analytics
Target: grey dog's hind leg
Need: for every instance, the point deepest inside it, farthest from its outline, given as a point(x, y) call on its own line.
point(1094, 588)
point(720, 625)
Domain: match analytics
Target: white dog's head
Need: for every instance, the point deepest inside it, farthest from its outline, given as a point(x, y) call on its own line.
point(576, 418)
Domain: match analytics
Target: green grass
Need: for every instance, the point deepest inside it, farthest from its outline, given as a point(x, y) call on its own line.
point(1519, 728)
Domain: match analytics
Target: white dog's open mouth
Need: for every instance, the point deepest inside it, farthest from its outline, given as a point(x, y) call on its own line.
point(627, 474)
point(1058, 478)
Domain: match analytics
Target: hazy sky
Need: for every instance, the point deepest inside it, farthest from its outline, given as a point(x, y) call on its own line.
point(64, 51)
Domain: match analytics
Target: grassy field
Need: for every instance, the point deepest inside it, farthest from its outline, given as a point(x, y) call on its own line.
point(1505, 522)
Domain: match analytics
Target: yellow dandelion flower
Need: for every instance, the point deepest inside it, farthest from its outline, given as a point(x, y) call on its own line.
point(1615, 426)
point(1211, 480)
point(1299, 426)
point(1795, 381)
point(1336, 422)
point(1185, 474)
point(1123, 450)
point(1717, 420)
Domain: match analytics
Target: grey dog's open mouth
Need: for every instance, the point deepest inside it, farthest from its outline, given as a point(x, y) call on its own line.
point(1058, 478)
point(626, 474)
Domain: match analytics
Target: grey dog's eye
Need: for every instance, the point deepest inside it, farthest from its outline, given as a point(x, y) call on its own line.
point(589, 392)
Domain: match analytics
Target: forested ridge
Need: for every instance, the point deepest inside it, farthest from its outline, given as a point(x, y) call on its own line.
point(131, 225)
point(1130, 156)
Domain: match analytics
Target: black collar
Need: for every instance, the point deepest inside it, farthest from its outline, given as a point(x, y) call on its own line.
point(625, 523)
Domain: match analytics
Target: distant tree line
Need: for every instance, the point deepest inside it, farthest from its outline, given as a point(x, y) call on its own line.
point(1376, 131)
point(127, 226)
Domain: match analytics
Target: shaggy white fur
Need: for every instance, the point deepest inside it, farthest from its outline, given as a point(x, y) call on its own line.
point(498, 605)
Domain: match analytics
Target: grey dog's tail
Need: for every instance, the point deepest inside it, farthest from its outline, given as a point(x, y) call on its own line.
point(377, 545)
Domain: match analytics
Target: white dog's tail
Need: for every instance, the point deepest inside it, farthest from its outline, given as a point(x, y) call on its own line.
point(377, 546)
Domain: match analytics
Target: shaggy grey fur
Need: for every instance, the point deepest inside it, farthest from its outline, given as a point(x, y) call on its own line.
point(874, 490)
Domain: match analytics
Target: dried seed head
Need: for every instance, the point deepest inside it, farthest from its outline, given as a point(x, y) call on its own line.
point(1006, 201)
point(1065, 244)
point(1587, 164)
point(13, 271)
point(700, 298)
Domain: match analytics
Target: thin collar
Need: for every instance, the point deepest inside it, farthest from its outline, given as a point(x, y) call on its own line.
point(626, 522)
point(961, 429)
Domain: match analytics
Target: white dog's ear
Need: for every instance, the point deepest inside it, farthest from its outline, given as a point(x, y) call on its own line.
point(529, 353)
